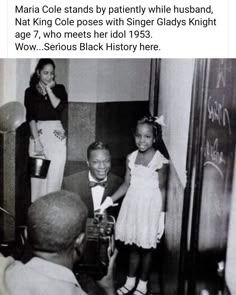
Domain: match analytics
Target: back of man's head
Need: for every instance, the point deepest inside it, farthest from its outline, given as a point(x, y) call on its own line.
point(55, 221)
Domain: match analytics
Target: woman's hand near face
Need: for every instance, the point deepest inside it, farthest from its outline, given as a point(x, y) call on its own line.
point(54, 100)
point(50, 85)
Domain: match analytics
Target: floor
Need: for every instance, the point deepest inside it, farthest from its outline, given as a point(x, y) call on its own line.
point(119, 275)
point(154, 287)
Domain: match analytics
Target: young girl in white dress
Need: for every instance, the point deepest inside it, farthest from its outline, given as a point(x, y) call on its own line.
point(141, 218)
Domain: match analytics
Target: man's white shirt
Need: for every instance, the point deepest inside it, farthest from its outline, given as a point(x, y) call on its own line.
point(97, 192)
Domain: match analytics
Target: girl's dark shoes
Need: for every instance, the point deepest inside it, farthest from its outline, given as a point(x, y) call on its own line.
point(138, 292)
point(125, 291)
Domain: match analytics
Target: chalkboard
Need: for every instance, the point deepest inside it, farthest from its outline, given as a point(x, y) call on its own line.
point(215, 156)
point(218, 149)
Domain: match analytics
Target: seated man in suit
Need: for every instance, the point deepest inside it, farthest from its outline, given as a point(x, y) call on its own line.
point(94, 184)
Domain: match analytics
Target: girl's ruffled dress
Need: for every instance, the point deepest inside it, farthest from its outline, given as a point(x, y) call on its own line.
point(139, 215)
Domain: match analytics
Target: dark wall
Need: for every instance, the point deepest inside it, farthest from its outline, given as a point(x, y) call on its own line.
point(1, 184)
point(22, 180)
point(8, 185)
point(115, 124)
point(111, 123)
point(14, 180)
point(172, 241)
point(81, 129)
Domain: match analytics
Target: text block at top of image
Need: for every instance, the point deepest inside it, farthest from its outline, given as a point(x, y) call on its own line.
point(126, 29)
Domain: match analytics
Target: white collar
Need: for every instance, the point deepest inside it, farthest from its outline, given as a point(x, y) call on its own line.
point(91, 178)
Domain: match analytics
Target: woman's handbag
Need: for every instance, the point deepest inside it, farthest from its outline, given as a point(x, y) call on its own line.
point(38, 166)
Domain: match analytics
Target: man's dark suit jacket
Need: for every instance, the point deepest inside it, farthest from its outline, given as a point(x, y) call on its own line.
point(79, 183)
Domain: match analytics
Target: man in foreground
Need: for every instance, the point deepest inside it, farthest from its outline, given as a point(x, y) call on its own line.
point(56, 233)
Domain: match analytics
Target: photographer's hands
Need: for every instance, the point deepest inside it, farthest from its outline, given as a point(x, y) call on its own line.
point(107, 282)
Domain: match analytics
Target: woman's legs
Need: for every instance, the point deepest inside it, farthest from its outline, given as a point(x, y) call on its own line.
point(38, 185)
point(54, 150)
point(38, 188)
point(57, 155)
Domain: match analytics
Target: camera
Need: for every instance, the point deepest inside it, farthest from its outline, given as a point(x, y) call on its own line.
point(99, 246)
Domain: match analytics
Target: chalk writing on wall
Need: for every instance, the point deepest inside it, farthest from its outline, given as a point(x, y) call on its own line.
point(218, 125)
point(213, 156)
point(223, 69)
point(218, 113)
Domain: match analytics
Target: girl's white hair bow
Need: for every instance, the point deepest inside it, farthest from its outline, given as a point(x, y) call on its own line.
point(160, 120)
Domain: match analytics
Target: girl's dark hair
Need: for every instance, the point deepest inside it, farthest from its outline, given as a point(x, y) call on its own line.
point(157, 132)
point(40, 65)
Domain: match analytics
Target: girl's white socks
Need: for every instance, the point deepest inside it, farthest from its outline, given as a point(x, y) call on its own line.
point(129, 285)
point(130, 282)
point(142, 286)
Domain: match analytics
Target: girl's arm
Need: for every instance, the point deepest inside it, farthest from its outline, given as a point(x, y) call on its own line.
point(38, 147)
point(163, 176)
point(121, 191)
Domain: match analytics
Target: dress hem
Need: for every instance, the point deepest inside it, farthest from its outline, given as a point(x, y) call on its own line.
point(137, 244)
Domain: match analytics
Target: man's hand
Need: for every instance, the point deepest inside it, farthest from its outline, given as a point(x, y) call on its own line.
point(161, 227)
point(106, 204)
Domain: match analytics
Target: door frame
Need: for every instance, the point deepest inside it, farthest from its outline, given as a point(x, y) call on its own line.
point(194, 167)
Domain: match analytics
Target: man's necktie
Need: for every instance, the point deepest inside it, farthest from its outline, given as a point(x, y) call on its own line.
point(94, 183)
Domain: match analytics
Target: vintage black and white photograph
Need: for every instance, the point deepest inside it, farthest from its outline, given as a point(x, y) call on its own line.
point(117, 176)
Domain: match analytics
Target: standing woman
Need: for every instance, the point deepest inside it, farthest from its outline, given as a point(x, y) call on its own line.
point(44, 102)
